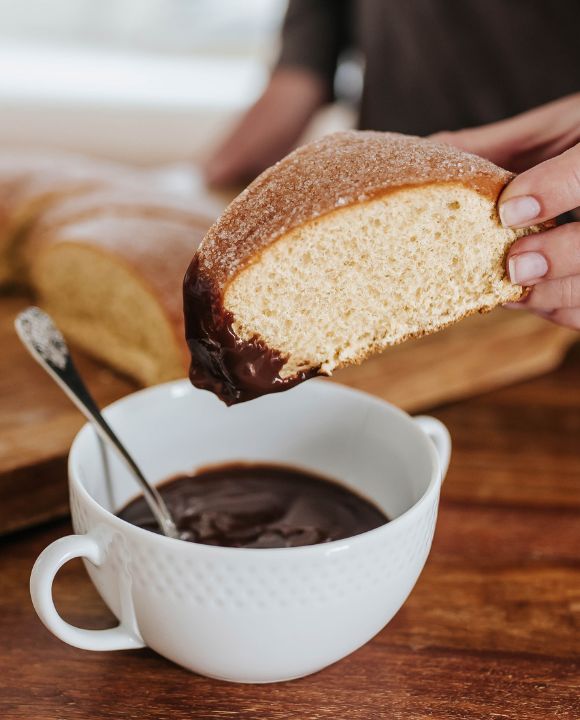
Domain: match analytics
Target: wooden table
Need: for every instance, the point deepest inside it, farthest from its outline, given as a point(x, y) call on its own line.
point(492, 629)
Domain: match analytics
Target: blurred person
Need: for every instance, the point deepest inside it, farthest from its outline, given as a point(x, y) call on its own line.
point(429, 65)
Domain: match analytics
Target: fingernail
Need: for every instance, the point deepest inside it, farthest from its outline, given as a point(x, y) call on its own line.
point(526, 267)
point(519, 211)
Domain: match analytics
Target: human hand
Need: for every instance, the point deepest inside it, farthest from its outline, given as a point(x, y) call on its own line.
point(544, 143)
point(269, 129)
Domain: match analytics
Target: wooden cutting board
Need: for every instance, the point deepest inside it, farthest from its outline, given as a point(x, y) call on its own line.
point(37, 422)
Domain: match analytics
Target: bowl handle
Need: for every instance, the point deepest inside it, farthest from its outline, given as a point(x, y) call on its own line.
point(439, 436)
point(48, 563)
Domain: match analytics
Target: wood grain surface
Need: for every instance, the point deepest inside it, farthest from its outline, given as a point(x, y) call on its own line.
point(491, 631)
point(38, 423)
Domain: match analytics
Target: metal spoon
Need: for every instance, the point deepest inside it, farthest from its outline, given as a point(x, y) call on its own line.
point(47, 346)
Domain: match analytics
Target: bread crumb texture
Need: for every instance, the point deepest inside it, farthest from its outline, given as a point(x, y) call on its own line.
point(359, 241)
point(340, 170)
point(114, 286)
point(359, 279)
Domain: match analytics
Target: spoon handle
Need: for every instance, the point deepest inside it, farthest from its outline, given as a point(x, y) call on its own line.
point(47, 346)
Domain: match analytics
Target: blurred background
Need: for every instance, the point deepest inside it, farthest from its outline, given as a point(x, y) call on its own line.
point(138, 80)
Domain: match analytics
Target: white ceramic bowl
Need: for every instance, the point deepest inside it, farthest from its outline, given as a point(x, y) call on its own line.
point(250, 615)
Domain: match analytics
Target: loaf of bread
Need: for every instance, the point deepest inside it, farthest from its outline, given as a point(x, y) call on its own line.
point(31, 182)
point(139, 203)
point(103, 248)
point(113, 284)
point(350, 244)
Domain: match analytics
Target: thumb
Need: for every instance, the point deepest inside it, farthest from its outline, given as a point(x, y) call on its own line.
point(543, 192)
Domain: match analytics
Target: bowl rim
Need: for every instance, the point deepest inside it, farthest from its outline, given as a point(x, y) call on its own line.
point(179, 388)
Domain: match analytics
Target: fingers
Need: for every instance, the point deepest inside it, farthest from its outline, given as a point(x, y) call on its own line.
point(229, 165)
point(494, 141)
point(552, 295)
point(568, 317)
point(544, 192)
point(549, 263)
point(501, 142)
point(550, 255)
point(520, 142)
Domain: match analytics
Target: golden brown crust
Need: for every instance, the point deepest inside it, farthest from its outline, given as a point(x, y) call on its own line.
point(134, 217)
point(342, 169)
point(157, 251)
point(31, 182)
point(123, 202)
point(105, 205)
point(29, 178)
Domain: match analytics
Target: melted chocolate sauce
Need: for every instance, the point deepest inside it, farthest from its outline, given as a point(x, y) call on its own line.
point(259, 506)
point(234, 369)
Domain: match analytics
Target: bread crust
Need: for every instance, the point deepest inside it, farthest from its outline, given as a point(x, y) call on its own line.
point(155, 250)
point(340, 170)
point(123, 202)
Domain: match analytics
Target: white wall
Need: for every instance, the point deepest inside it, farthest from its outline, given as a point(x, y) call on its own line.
point(142, 80)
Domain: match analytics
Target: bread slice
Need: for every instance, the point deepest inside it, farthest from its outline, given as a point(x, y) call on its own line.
point(113, 284)
point(350, 244)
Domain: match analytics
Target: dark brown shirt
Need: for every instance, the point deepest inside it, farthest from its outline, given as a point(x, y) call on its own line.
point(441, 64)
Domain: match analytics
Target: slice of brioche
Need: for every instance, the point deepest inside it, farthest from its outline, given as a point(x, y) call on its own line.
point(113, 285)
point(348, 245)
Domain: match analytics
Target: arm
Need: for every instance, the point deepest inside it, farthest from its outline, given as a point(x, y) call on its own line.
point(269, 129)
point(312, 37)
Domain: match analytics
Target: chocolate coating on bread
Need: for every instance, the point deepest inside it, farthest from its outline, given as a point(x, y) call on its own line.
point(234, 369)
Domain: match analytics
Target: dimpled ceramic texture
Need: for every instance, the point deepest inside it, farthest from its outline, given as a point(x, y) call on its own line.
point(251, 615)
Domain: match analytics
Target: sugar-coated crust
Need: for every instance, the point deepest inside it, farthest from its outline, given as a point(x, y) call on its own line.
point(339, 170)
